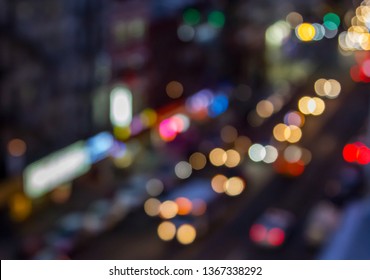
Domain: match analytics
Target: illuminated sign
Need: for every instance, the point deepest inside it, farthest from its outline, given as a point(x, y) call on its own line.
point(58, 168)
point(99, 146)
point(121, 106)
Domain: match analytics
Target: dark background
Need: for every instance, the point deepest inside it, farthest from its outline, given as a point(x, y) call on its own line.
point(60, 60)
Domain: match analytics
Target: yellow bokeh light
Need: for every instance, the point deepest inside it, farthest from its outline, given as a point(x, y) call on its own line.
point(349, 41)
point(319, 106)
point(357, 29)
point(148, 117)
point(311, 105)
point(152, 206)
point(320, 87)
point(303, 105)
point(198, 161)
point(233, 158)
point(355, 21)
point(295, 134)
point(315, 105)
point(168, 209)
point(344, 47)
point(122, 133)
point(355, 35)
point(20, 207)
point(265, 108)
point(364, 41)
point(186, 234)
point(218, 183)
point(305, 32)
point(234, 186)
point(288, 132)
point(327, 88)
point(166, 231)
point(363, 13)
point(335, 89)
point(281, 132)
point(218, 157)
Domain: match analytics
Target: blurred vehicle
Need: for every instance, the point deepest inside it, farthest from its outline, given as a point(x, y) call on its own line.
point(322, 221)
point(271, 228)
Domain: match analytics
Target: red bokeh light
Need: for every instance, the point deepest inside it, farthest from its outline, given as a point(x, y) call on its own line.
point(258, 233)
point(363, 155)
point(350, 152)
point(356, 152)
point(276, 236)
point(361, 72)
point(294, 169)
point(184, 204)
point(355, 73)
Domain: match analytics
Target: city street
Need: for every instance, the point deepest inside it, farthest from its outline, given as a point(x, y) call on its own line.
point(206, 130)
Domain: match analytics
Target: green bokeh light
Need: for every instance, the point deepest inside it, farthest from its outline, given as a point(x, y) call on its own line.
point(191, 16)
point(330, 25)
point(217, 19)
point(331, 17)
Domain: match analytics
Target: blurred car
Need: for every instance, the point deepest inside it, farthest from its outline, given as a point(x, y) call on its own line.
point(322, 221)
point(271, 228)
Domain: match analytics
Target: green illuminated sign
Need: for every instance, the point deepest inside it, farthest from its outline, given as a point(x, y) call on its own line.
point(58, 168)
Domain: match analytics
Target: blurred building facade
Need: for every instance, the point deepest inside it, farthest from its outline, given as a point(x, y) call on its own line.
point(49, 52)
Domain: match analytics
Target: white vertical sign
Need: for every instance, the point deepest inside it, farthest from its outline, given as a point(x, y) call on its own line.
point(121, 106)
